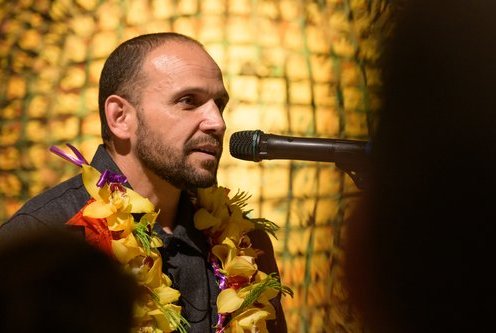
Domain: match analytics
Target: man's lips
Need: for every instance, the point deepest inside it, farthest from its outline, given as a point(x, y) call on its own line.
point(209, 149)
point(209, 145)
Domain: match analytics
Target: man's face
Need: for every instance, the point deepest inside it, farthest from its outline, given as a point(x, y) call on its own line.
point(180, 125)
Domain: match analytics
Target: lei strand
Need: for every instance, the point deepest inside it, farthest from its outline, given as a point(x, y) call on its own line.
point(243, 303)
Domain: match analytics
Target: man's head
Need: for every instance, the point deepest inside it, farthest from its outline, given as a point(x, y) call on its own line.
point(123, 74)
point(163, 96)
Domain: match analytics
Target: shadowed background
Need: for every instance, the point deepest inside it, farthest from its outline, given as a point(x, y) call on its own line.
point(301, 68)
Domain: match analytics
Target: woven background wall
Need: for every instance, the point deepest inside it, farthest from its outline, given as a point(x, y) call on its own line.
point(302, 68)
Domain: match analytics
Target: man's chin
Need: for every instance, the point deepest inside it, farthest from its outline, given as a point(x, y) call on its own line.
point(204, 178)
point(201, 174)
point(205, 167)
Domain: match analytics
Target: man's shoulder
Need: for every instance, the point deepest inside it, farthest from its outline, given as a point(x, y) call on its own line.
point(55, 206)
point(52, 207)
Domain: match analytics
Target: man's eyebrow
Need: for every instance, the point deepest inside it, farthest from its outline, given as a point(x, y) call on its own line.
point(198, 90)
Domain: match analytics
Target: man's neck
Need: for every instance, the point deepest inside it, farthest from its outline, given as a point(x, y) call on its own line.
point(162, 194)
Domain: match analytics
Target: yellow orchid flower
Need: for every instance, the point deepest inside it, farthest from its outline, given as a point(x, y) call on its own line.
point(225, 252)
point(228, 301)
point(204, 219)
point(215, 200)
point(232, 263)
point(121, 221)
point(126, 249)
point(252, 320)
point(241, 266)
point(166, 294)
point(152, 277)
point(212, 198)
point(269, 308)
point(263, 301)
point(236, 227)
point(107, 202)
point(149, 316)
point(162, 320)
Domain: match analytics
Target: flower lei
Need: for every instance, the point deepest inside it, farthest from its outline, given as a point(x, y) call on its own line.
point(244, 300)
point(243, 303)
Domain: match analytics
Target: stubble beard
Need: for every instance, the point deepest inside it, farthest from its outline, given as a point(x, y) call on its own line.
point(171, 164)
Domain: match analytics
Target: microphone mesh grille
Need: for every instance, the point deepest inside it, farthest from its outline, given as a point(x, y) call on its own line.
point(241, 145)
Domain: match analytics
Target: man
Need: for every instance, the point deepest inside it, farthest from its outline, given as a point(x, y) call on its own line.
point(161, 100)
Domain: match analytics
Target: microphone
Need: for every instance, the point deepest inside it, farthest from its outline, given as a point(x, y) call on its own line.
point(257, 146)
point(351, 156)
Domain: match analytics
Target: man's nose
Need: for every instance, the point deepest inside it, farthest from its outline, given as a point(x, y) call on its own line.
point(213, 120)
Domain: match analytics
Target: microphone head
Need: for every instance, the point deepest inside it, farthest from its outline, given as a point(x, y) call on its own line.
point(244, 145)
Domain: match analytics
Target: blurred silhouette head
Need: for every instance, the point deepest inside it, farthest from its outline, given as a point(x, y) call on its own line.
point(56, 282)
point(420, 243)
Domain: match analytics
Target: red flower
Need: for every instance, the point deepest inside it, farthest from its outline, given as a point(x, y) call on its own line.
point(96, 231)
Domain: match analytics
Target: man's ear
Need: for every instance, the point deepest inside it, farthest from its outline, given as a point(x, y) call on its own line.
point(121, 116)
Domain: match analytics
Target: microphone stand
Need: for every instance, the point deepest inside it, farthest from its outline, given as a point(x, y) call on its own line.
point(358, 172)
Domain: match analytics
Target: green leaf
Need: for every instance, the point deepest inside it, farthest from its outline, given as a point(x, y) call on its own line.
point(271, 281)
point(143, 234)
point(240, 199)
point(176, 319)
point(265, 225)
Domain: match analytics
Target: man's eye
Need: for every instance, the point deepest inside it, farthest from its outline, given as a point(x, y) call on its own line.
point(221, 104)
point(187, 100)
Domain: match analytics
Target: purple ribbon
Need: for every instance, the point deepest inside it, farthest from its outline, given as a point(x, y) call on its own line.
point(222, 279)
point(109, 177)
point(78, 160)
point(220, 323)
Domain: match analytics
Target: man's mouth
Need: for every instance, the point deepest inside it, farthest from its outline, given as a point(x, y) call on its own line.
point(212, 150)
